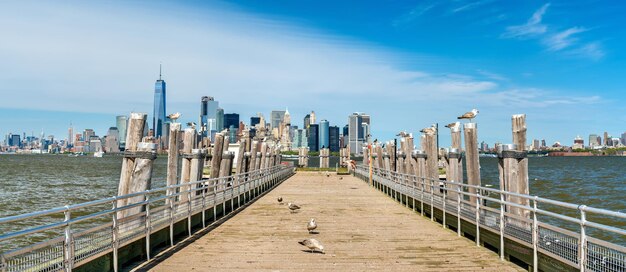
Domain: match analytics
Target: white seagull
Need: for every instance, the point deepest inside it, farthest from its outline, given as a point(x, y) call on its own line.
point(312, 225)
point(313, 244)
point(191, 125)
point(453, 125)
point(469, 115)
point(174, 116)
point(429, 130)
point(293, 207)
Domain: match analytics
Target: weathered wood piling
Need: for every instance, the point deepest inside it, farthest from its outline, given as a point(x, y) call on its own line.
point(471, 154)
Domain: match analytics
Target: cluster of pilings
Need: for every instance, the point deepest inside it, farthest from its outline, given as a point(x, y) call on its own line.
point(324, 158)
point(193, 152)
point(303, 157)
point(425, 161)
point(344, 157)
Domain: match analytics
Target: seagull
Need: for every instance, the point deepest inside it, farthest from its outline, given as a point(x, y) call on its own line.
point(312, 225)
point(429, 130)
point(293, 207)
point(469, 115)
point(174, 116)
point(313, 244)
point(453, 125)
point(280, 199)
point(340, 178)
point(191, 125)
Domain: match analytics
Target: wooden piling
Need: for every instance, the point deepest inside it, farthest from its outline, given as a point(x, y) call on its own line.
point(134, 134)
point(216, 153)
point(454, 172)
point(432, 159)
point(472, 162)
point(172, 157)
point(253, 156)
point(520, 185)
point(240, 156)
point(185, 169)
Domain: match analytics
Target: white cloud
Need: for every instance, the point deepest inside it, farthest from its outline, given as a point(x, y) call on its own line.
point(413, 14)
point(531, 28)
point(80, 59)
point(563, 39)
point(591, 51)
point(470, 6)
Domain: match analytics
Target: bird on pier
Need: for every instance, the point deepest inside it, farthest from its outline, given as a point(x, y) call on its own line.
point(469, 115)
point(191, 125)
point(313, 245)
point(453, 125)
point(293, 207)
point(312, 225)
point(174, 116)
point(429, 130)
point(280, 200)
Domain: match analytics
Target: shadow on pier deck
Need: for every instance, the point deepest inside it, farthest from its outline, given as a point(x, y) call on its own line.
point(360, 228)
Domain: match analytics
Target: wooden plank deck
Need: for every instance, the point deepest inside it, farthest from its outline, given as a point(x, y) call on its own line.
point(361, 229)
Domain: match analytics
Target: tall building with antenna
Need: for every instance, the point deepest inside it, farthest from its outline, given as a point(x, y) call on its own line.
point(158, 119)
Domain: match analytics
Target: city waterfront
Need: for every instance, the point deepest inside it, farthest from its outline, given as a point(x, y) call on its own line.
point(39, 182)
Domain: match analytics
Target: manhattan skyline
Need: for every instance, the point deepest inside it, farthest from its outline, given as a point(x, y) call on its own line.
point(407, 64)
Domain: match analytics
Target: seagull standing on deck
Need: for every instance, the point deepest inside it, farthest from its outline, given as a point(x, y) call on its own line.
point(313, 244)
point(293, 207)
point(469, 115)
point(191, 125)
point(312, 225)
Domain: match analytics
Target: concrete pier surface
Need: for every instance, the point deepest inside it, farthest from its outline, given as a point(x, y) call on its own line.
point(360, 228)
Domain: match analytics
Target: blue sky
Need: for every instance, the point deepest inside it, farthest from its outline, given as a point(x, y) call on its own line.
point(407, 63)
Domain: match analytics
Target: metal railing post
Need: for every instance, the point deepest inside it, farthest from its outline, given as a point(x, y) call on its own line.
point(501, 225)
point(203, 208)
point(422, 195)
point(68, 243)
point(189, 210)
point(215, 202)
point(432, 199)
point(114, 232)
point(535, 236)
point(171, 220)
point(413, 192)
point(458, 210)
point(443, 209)
point(582, 248)
point(478, 218)
point(147, 226)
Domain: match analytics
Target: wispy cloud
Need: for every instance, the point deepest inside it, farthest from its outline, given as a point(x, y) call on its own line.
point(563, 39)
point(470, 6)
point(531, 28)
point(492, 75)
point(591, 51)
point(413, 14)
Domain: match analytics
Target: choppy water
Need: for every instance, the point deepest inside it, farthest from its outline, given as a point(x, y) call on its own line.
point(38, 182)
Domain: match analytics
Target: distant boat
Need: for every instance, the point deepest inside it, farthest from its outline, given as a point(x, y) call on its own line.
point(487, 155)
point(98, 154)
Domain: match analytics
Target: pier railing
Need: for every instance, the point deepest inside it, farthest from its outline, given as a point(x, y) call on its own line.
point(533, 237)
point(106, 233)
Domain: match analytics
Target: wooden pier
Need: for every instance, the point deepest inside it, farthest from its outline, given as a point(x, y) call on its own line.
point(361, 229)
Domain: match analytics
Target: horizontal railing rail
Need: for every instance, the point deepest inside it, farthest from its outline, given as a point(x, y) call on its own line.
point(71, 241)
point(535, 228)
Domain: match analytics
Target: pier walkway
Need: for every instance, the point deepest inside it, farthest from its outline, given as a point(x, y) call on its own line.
point(361, 229)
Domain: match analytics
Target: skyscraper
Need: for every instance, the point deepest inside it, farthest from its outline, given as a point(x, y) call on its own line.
point(333, 136)
point(323, 134)
point(358, 131)
point(307, 121)
point(158, 119)
point(254, 120)
point(219, 119)
point(121, 122)
point(231, 120)
point(313, 137)
point(70, 131)
point(607, 139)
point(276, 117)
point(208, 113)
